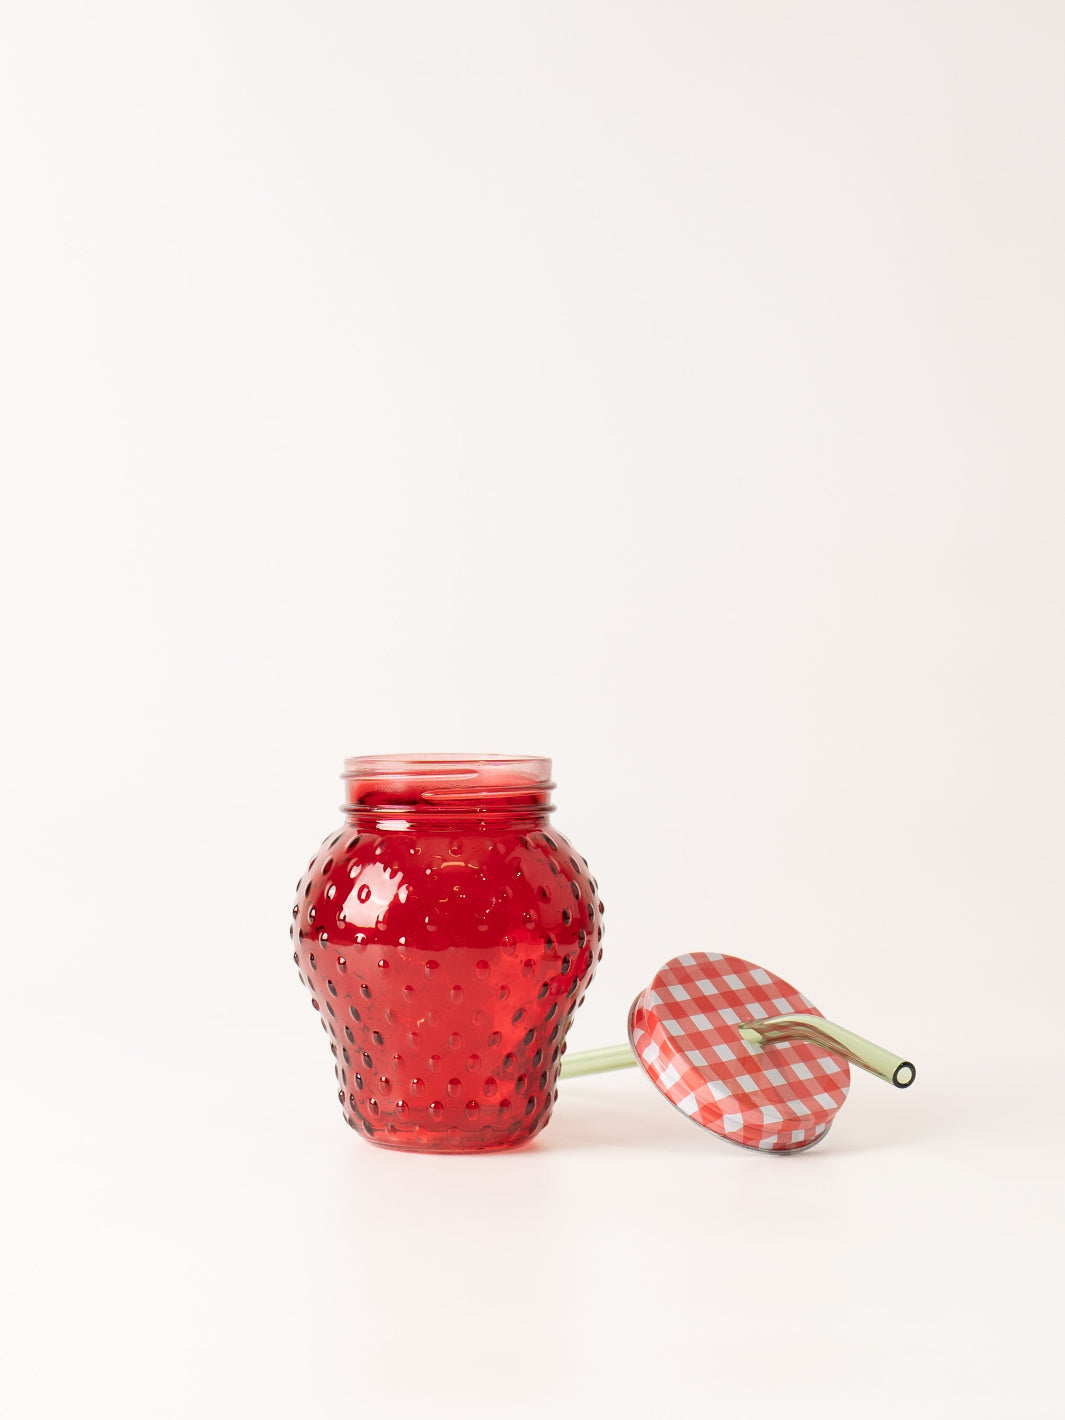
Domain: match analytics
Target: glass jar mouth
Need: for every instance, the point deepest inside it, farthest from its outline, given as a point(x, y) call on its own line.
point(467, 783)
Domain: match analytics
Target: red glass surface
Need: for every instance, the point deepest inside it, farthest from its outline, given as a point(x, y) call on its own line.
point(447, 934)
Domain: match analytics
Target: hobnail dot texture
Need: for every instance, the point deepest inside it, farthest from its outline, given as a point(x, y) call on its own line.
point(447, 968)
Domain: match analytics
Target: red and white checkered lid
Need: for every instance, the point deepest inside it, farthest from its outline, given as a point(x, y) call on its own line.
point(685, 1031)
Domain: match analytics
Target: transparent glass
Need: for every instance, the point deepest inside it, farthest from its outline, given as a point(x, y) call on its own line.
point(447, 935)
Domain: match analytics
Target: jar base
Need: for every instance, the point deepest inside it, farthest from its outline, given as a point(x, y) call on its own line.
point(441, 1144)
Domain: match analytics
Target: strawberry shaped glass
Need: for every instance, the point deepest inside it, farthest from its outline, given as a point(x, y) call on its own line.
point(447, 934)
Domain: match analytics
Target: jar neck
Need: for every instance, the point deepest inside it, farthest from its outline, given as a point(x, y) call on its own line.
point(438, 790)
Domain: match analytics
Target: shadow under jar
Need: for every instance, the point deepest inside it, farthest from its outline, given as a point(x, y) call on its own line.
point(447, 935)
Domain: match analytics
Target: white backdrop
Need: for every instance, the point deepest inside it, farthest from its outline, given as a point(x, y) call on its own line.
point(674, 389)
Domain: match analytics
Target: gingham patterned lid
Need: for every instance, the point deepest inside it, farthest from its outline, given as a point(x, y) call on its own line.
point(684, 1030)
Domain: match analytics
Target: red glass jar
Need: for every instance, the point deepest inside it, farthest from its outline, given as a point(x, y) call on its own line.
point(447, 934)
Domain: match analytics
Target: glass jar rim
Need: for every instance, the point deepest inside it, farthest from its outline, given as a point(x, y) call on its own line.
point(499, 783)
point(495, 770)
